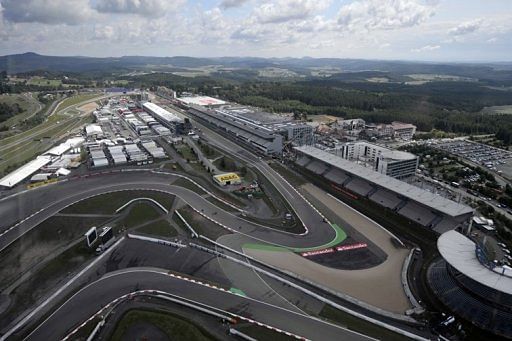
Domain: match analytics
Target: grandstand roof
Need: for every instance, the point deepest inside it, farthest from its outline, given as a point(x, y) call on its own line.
point(15, 177)
point(161, 112)
point(201, 100)
point(460, 252)
point(434, 201)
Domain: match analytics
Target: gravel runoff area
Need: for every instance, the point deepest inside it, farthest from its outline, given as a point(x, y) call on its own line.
point(379, 286)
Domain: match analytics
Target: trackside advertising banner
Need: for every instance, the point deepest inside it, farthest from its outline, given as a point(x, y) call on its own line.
point(337, 249)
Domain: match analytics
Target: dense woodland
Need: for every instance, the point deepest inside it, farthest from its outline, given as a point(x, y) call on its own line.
point(443, 105)
point(448, 106)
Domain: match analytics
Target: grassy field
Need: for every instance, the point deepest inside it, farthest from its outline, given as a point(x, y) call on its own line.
point(39, 243)
point(140, 213)
point(75, 100)
point(500, 110)
point(186, 152)
point(28, 105)
point(173, 326)
point(200, 224)
point(160, 228)
point(47, 278)
point(23, 147)
point(40, 81)
point(108, 203)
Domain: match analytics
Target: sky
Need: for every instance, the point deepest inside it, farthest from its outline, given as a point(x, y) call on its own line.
point(429, 30)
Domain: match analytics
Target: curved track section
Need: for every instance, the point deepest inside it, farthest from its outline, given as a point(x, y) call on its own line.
point(97, 294)
point(56, 197)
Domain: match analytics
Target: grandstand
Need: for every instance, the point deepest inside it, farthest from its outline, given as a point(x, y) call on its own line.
point(359, 186)
point(418, 213)
point(423, 207)
point(336, 176)
point(303, 161)
point(386, 198)
point(257, 136)
point(317, 167)
point(478, 292)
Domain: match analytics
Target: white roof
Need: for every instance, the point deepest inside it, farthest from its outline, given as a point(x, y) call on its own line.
point(65, 146)
point(434, 201)
point(20, 174)
point(460, 252)
point(201, 100)
point(92, 129)
point(63, 171)
point(160, 112)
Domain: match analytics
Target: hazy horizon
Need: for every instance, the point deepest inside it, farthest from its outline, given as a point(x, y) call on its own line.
point(401, 30)
point(279, 58)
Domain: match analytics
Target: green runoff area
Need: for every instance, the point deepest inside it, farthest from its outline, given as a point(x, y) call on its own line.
point(18, 149)
point(341, 235)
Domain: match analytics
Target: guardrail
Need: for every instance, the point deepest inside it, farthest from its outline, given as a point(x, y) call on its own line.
point(192, 231)
point(156, 240)
point(143, 199)
point(235, 332)
point(405, 282)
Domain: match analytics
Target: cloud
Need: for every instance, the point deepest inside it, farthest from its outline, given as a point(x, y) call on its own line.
point(281, 11)
point(71, 12)
point(466, 27)
point(427, 48)
point(384, 14)
point(227, 4)
point(104, 32)
point(146, 8)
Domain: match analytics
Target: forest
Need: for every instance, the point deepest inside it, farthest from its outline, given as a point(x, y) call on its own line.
point(447, 106)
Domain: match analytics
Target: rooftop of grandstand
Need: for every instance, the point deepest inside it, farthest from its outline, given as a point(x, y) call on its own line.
point(161, 112)
point(435, 201)
point(238, 125)
point(460, 252)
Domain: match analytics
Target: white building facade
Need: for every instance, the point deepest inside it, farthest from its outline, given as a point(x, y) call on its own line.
point(397, 164)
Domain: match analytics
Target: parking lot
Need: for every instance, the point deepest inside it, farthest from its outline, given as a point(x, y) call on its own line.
point(487, 156)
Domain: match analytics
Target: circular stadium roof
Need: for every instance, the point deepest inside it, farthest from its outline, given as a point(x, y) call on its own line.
point(460, 252)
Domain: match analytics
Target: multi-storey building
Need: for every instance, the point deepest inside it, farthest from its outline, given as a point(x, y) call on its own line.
point(394, 163)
